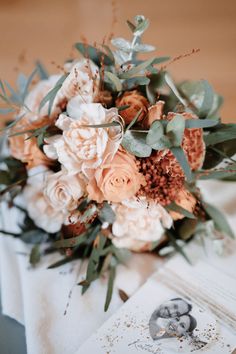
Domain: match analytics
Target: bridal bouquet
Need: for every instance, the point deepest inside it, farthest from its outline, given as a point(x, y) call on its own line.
point(105, 155)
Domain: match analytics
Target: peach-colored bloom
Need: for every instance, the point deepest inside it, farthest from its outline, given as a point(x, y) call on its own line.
point(135, 101)
point(116, 180)
point(185, 200)
point(83, 148)
point(25, 148)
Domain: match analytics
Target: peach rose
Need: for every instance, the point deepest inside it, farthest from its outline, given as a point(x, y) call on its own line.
point(44, 215)
point(82, 148)
point(64, 191)
point(185, 200)
point(116, 180)
point(25, 148)
point(139, 223)
point(135, 101)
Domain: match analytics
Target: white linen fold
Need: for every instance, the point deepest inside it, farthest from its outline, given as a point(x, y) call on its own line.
point(57, 318)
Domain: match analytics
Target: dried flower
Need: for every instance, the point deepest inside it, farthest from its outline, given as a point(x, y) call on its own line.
point(163, 175)
point(185, 200)
point(155, 112)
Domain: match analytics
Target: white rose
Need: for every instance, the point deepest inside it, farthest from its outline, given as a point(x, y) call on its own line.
point(82, 81)
point(82, 148)
point(34, 98)
point(64, 191)
point(44, 215)
point(138, 223)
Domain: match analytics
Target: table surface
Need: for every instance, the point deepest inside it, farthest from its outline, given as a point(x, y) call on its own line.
point(12, 336)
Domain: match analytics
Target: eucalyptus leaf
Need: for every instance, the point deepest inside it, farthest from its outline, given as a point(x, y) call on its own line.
point(136, 69)
point(35, 255)
point(50, 96)
point(181, 158)
point(133, 82)
point(122, 44)
point(223, 133)
point(155, 137)
point(107, 214)
point(42, 71)
point(135, 143)
point(71, 242)
point(219, 219)
point(160, 60)
point(175, 130)
point(143, 48)
point(176, 245)
point(114, 80)
point(201, 97)
point(201, 123)
point(134, 120)
point(142, 25)
point(112, 274)
point(96, 55)
point(177, 208)
point(229, 171)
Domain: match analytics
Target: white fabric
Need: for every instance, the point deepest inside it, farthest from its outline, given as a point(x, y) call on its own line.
point(38, 298)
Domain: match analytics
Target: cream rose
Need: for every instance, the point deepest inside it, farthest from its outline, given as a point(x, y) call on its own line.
point(116, 180)
point(139, 223)
point(82, 81)
point(44, 215)
point(82, 148)
point(34, 98)
point(63, 191)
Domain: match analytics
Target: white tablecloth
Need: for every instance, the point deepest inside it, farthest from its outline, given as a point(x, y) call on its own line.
point(57, 318)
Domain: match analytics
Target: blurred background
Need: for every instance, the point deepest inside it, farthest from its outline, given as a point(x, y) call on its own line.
point(46, 29)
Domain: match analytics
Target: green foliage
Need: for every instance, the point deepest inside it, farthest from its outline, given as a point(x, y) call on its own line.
point(112, 274)
point(175, 130)
point(106, 214)
point(136, 70)
point(177, 208)
point(135, 143)
point(115, 81)
point(51, 95)
point(221, 134)
point(96, 55)
point(35, 255)
point(219, 220)
point(221, 173)
point(201, 98)
point(181, 158)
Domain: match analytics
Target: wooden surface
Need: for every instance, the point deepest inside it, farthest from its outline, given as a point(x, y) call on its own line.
point(46, 29)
